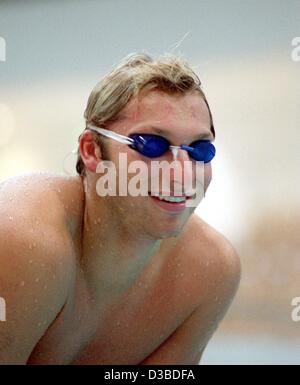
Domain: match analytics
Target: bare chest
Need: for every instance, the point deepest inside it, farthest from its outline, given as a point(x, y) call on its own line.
point(125, 330)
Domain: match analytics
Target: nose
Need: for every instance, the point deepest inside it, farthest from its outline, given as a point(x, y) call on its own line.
point(179, 154)
point(182, 174)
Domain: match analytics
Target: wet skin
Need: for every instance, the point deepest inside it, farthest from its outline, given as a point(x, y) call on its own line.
point(91, 280)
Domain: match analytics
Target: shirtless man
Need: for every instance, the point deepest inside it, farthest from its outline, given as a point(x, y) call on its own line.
point(132, 280)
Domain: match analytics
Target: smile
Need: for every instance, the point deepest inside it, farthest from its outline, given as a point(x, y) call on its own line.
point(171, 199)
point(170, 203)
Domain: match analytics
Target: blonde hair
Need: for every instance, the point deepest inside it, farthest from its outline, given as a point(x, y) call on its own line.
point(136, 72)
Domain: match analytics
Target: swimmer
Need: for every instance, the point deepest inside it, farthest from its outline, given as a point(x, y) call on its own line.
point(123, 279)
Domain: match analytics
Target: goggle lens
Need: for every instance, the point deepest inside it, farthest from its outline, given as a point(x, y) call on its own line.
point(154, 146)
point(149, 145)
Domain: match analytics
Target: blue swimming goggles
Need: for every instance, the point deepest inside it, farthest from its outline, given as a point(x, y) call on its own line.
point(153, 146)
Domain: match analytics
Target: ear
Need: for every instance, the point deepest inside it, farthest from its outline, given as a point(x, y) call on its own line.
point(89, 151)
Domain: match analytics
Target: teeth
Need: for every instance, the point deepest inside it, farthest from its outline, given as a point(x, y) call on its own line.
point(171, 199)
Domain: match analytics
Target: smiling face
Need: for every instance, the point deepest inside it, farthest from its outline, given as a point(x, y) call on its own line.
point(182, 119)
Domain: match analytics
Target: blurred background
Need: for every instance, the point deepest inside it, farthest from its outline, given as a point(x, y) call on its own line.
point(53, 52)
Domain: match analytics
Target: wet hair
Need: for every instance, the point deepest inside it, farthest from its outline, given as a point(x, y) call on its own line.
point(136, 72)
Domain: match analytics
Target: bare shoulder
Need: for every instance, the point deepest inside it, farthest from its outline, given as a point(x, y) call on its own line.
point(218, 270)
point(210, 271)
point(35, 261)
point(34, 220)
point(213, 256)
point(199, 235)
point(37, 199)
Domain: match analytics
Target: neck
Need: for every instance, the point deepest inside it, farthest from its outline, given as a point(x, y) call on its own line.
point(114, 253)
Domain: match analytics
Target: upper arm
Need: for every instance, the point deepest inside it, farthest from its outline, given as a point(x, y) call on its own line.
point(187, 343)
point(32, 287)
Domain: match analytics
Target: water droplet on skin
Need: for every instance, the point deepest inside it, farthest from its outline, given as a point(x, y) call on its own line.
point(30, 261)
point(118, 323)
point(30, 246)
point(39, 324)
point(59, 190)
point(22, 283)
point(181, 274)
point(45, 287)
point(37, 280)
point(27, 193)
point(11, 198)
point(35, 301)
point(54, 276)
point(11, 218)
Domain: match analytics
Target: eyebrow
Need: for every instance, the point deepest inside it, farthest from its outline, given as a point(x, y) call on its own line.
point(202, 136)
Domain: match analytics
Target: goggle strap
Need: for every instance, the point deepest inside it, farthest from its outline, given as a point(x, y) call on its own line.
point(112, 135)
